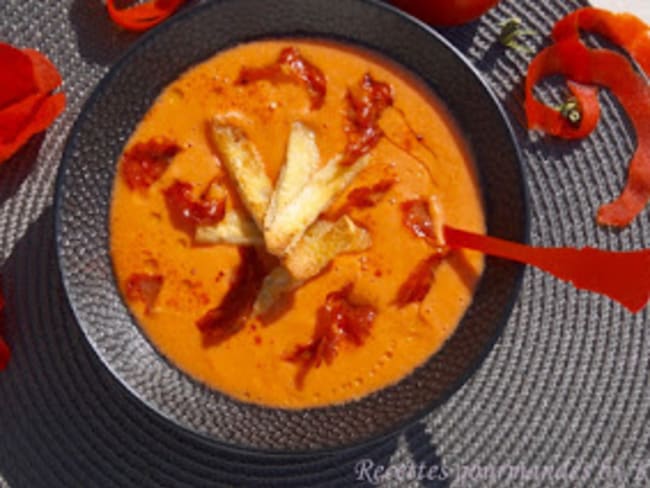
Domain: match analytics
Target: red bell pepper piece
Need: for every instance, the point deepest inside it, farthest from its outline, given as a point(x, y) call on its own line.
point(366, 103)
point(551, 120)
point(236, 307)
point(419, 282)
point(145, 162)
point(611, 70)
point(625, 30)
point(143, 16)
point(203, 211)
point(290, 67)
point(338, 320)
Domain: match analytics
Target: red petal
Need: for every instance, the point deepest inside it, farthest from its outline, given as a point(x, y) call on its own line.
point(17, 116)
point(16, 75)
point(48, 111)
point(46, 75)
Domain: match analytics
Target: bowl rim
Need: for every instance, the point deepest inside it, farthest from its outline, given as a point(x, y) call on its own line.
point(394, 429)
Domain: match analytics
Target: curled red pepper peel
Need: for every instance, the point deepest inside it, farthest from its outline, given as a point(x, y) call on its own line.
point(602, 67)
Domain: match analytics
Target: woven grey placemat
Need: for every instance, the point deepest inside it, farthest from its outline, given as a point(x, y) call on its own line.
point(564, 392)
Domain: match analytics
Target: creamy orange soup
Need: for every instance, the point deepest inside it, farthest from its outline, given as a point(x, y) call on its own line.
point(251, 365)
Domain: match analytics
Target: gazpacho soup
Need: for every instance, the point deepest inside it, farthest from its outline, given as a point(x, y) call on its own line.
point(276, 223)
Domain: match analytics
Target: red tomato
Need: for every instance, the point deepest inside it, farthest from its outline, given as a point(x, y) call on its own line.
point(446, 12)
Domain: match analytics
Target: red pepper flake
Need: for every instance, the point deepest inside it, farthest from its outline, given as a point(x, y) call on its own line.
point(419, 282)
point(290, 67)
point(144, 16)
point(236, 307)
point(202, 212)
point(607, 68)
point(364, 197)
point(339, 319)
point(145, 162)
point(366, 103)
point(27, 105)
point(417, 218)
point(144, 288)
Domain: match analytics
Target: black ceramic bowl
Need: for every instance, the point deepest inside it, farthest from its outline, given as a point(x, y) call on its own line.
point(84, 190)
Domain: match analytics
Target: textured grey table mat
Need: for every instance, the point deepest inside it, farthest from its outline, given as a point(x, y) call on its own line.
point(564, 392)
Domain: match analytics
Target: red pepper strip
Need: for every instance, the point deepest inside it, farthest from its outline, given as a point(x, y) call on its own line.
point(47, 113)
point(367, 102)
point(337, 320)
point(607, 68)
point(362, 197)
point(16, 75)
point(194, 211)
point(5, 353)
point(32, 109)
point(145, 162)
point(290, 67)
point(550, 119)
point(625, 30)
point(622, 276)
point(236, 307)
point(419, 282)
point(144, 16)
